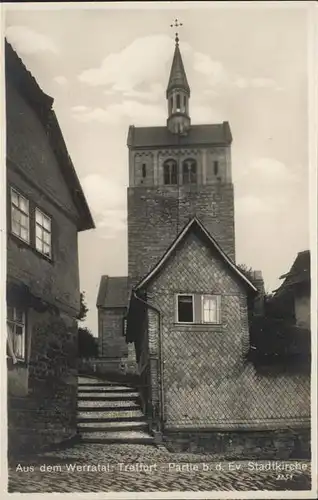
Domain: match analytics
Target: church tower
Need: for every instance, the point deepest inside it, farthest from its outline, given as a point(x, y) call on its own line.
point(176, 172)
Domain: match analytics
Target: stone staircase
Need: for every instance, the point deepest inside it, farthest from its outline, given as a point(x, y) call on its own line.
point(108, 412)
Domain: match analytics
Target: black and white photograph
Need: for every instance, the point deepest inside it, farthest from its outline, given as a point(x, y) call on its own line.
point(159, 249)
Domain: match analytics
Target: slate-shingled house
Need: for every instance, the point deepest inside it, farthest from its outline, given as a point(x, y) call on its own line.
point(181, 315)
point(46, 208)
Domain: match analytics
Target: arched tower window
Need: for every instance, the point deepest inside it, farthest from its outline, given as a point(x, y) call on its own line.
point(189, 171)
point(216, 167)
point(170, 172)
point(178, 103)
point(144, 172)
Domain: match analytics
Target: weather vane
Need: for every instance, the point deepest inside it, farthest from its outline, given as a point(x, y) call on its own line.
point(176, 24)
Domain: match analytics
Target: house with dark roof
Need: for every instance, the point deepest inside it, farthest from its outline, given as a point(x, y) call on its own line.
point(181, 314)
point(112, 303)
point(46, 209)
point(292, 299)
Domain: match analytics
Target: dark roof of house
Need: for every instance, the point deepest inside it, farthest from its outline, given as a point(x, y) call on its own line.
point(41, 103)
point(195, 225)
point(178, 77)
point(217, 134)
point(113, 291)
point(298, 274)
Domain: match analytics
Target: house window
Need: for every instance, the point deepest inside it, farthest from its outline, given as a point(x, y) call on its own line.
point(185, 309)
point(144, 170)
point(189, 171)
point(170, 172)
point(198, 308)
point(184, 102)
point(171, 104)
point(43, 233)
point(216, 167)
point(20, 221)
point(210, 309)
point(16, 333)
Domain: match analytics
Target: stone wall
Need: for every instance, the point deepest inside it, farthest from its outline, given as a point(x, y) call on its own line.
point(281, 444)
point(157, 215)
point(47, 413)
point(150, 161)
point(111, 341)
point(114, 367)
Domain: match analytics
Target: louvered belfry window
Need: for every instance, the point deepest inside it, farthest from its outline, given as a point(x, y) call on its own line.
point(170, 172)
point(189, 171)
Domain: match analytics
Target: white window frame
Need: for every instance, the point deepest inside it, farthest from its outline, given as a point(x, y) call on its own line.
point(44, 230)
point(177, 308)
point(17, 207)
point(12, 323)
point(218, 308)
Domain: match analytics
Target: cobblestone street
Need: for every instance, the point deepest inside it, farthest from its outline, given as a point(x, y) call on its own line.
point(104, 468)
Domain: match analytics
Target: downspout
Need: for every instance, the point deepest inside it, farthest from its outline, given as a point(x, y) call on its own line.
point(150, 306)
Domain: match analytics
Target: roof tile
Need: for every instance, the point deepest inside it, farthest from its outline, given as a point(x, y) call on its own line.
point(113, 291)
point(216, 134)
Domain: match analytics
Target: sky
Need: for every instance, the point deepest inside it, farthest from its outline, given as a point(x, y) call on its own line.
point(108, 67)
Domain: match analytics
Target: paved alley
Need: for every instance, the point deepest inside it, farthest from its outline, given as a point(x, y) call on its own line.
point(89, 467)
point(116, 453)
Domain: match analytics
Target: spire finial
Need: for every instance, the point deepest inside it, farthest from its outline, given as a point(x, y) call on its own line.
point(176, 24)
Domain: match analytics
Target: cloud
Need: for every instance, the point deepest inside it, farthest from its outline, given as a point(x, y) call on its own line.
point(205, 114)
point(128, 110)
point(273, 185)
point(27, 41)
point(218, 75)
point(141, 114)
point(107, 200)
point(61, 80)
point(155, 92)
point(271, 170)
point(214, 70)
point(140, 62)
point(131, 73)
point(80, 108)
point(253, 205)
point(256, 83)
point(264, 83)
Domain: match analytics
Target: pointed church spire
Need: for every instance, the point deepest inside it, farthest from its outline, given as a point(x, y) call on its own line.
point(178, 77)
point(178, 93)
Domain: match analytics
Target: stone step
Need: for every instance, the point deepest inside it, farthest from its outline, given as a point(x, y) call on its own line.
point(100, 417)
point(110, 416)
point(106, 388)
point(90, 380)
point(108, 397)
point(107, 383)
point(111, 427)
point(111, 394)
point(126, 437)
point(105, 405)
